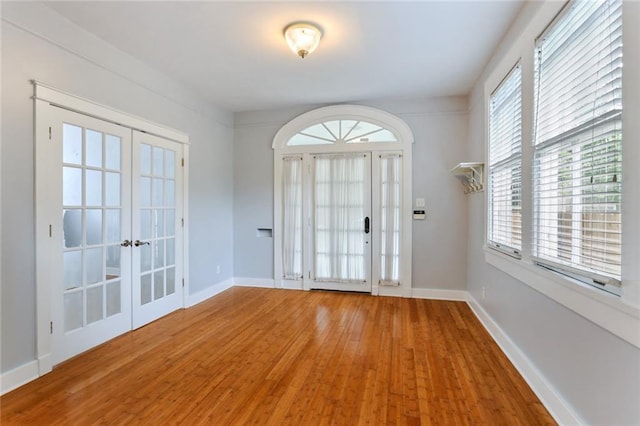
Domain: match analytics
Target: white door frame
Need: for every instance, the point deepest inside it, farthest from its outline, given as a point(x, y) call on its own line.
point(45, 96)
point(404, 146)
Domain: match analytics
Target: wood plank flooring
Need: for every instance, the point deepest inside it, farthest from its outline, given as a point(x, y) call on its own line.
point(275, 357)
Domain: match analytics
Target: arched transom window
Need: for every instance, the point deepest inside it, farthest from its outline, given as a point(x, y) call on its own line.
point(342, 131)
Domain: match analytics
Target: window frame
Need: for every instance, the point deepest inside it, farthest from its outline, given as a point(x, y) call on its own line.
point(619, 315)
point(504, 164)
point(563, 150)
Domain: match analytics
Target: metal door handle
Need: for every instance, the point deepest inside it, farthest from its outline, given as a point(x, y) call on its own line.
point(126, 243)
point(139, 243)
point(366, 225)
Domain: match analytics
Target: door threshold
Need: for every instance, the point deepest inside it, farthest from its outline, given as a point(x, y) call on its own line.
point(328, 290)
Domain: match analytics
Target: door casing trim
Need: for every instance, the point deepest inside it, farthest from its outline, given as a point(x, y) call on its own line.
point(44, 97)
point(404, 146)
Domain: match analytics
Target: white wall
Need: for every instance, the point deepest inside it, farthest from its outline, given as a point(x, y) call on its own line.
point(440, 131)
point(39, 44)
point(596, 373)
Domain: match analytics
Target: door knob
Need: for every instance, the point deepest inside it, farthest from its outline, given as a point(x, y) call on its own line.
point(139, 243)
point(126, 243)
point(366, 225)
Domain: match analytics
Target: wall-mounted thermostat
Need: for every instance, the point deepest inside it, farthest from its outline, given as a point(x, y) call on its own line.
point(419, 214)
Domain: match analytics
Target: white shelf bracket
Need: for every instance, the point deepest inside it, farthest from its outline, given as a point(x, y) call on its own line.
point(471, 176)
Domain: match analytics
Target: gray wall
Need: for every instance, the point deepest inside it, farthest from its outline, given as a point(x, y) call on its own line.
point(440, 131)
point(595, 372)
point(38, 44)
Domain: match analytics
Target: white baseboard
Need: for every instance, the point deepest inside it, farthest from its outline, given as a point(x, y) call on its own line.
point(550, 398)
point(254, 282)
point(417, 293)
point(202, 295)
point(19, 376)
point(45, 364)
point(439, 294)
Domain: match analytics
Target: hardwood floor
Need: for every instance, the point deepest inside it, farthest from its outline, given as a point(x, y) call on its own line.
point(265, 356)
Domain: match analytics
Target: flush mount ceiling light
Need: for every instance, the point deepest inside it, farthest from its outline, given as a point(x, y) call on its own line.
point(302, 37)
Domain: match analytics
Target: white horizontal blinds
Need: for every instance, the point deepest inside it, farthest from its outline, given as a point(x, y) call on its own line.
point(505, 164)
point(339, 217)
point(390, 188)
point(578, 142)
point(292, 217)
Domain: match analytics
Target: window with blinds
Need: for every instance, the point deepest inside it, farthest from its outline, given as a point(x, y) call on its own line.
point(505, 165)
point(577, 181)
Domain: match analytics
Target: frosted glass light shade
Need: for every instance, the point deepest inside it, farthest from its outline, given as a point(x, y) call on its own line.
point(303, 38)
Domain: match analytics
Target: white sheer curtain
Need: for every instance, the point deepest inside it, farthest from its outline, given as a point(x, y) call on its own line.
point(339, 217)
point(292, 218)
point(390, 181)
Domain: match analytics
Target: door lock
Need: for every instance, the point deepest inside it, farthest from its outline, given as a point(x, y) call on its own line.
point(139, 243)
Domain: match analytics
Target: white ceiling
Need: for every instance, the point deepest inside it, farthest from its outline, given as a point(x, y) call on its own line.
point(233, 53)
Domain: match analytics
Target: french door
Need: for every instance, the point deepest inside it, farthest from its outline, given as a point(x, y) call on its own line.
point(91, 273)
point(341, 222)
point(156, 216)
point(115, 260)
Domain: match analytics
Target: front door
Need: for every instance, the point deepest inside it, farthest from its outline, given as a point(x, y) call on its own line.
point(341, 222)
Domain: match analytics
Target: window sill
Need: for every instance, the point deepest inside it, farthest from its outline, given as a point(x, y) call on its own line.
point(606, 310)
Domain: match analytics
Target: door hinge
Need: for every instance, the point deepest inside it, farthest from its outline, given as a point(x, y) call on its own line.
point(182, 221)
point(183, 162)
point(49, 132)
point(50, 231)
point(309, 274)
point(183, 282)
point(51, 327)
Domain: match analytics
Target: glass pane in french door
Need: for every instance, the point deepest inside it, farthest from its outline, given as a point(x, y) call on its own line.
point(95, 274)
point(342, 204)
point(156, 214)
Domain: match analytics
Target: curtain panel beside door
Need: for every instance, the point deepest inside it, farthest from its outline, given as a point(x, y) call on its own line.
point(292, 218)
point(390, 218)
